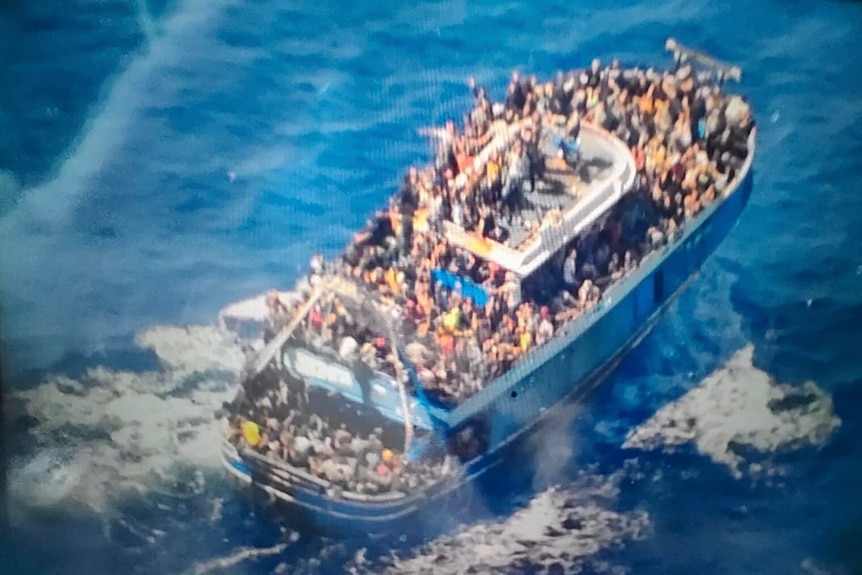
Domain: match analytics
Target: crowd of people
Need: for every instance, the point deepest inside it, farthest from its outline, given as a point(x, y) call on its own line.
point(688, 140)
point(271, 417)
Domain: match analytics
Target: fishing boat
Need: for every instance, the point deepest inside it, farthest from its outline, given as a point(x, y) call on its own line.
point(354, 430)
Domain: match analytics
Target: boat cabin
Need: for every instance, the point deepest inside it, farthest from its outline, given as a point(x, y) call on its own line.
point(368, 365)
point(563, 205)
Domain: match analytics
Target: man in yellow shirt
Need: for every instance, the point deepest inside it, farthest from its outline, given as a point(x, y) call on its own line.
point(525, 341)
point(251, 433)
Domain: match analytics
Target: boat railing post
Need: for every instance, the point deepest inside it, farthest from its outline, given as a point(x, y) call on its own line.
point(400, 374)
point(400, 370)
point(405, 408)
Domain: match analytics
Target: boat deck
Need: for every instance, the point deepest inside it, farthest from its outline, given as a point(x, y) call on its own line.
point(565, 203)
point(562, 187)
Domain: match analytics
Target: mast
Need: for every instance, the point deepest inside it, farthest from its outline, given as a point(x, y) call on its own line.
point(405, 406)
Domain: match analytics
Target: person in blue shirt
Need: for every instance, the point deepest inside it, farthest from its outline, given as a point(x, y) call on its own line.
point(569, 146)
point(569, 151)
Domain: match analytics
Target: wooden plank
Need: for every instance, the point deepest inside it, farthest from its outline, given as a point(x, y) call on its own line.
point(274, 346)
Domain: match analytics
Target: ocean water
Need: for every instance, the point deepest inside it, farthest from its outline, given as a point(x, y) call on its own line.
point(161, 159)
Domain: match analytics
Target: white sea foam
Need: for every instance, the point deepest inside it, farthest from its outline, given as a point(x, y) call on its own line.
point(740, 405)
point(562, 526)
point(145, 20)
point(36, 241)
point(550, 454)
point(9, 188)
point(252, 309)
point(109, 431)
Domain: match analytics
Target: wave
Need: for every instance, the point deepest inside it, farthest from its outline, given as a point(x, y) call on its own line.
point(39, 235)
point(108, 438)
point(557, 531)
point(105, 432)
point(736, 409)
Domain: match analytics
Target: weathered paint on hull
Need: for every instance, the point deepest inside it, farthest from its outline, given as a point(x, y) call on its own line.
point(569, 366)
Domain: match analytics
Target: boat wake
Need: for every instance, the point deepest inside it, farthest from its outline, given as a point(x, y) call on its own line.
point(108, 437)
point(44, 242)
point(737, 409)
point(110, 441)
point(558, 531)
point(103, 433)
point(107, 129)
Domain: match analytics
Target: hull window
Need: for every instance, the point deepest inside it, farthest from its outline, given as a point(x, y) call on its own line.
point(470, 441)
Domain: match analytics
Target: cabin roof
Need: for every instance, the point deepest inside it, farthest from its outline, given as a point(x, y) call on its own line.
point(609, 172)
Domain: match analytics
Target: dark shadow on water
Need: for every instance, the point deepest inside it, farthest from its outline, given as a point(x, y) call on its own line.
point(124, 356)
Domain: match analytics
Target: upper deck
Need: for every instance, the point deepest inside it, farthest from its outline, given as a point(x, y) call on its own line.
point(564, 203)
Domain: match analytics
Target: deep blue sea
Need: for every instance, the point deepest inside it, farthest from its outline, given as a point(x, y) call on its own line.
point(160, 159)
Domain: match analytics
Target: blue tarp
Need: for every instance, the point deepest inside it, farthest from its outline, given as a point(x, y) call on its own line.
point(568, 145)
point(467, 288)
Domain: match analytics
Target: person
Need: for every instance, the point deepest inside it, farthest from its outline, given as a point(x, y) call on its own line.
point(511, 290)
point(316, 264)
point(545, 331)
point(570, 271)
point(569, 150)
point(516, 175)
point(534, 158)
point(251, 433)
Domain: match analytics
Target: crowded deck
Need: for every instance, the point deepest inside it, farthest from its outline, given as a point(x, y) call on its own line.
point(525, 218)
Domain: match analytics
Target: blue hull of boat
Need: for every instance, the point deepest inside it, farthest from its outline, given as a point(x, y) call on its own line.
point(570, 365)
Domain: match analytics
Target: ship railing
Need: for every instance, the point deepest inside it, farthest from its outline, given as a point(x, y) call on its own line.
point(273, 471)
point(369, 302)
point(502, 139)
point(274, 347)
point(365, 498)
point(290, 472)
point(617, 288)
point(255, 461)
point(656, 254)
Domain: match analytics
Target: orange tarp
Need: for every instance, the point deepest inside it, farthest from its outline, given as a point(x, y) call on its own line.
point(478, 245)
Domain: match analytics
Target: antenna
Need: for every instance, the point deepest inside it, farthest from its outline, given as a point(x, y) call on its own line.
point(683, 54)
